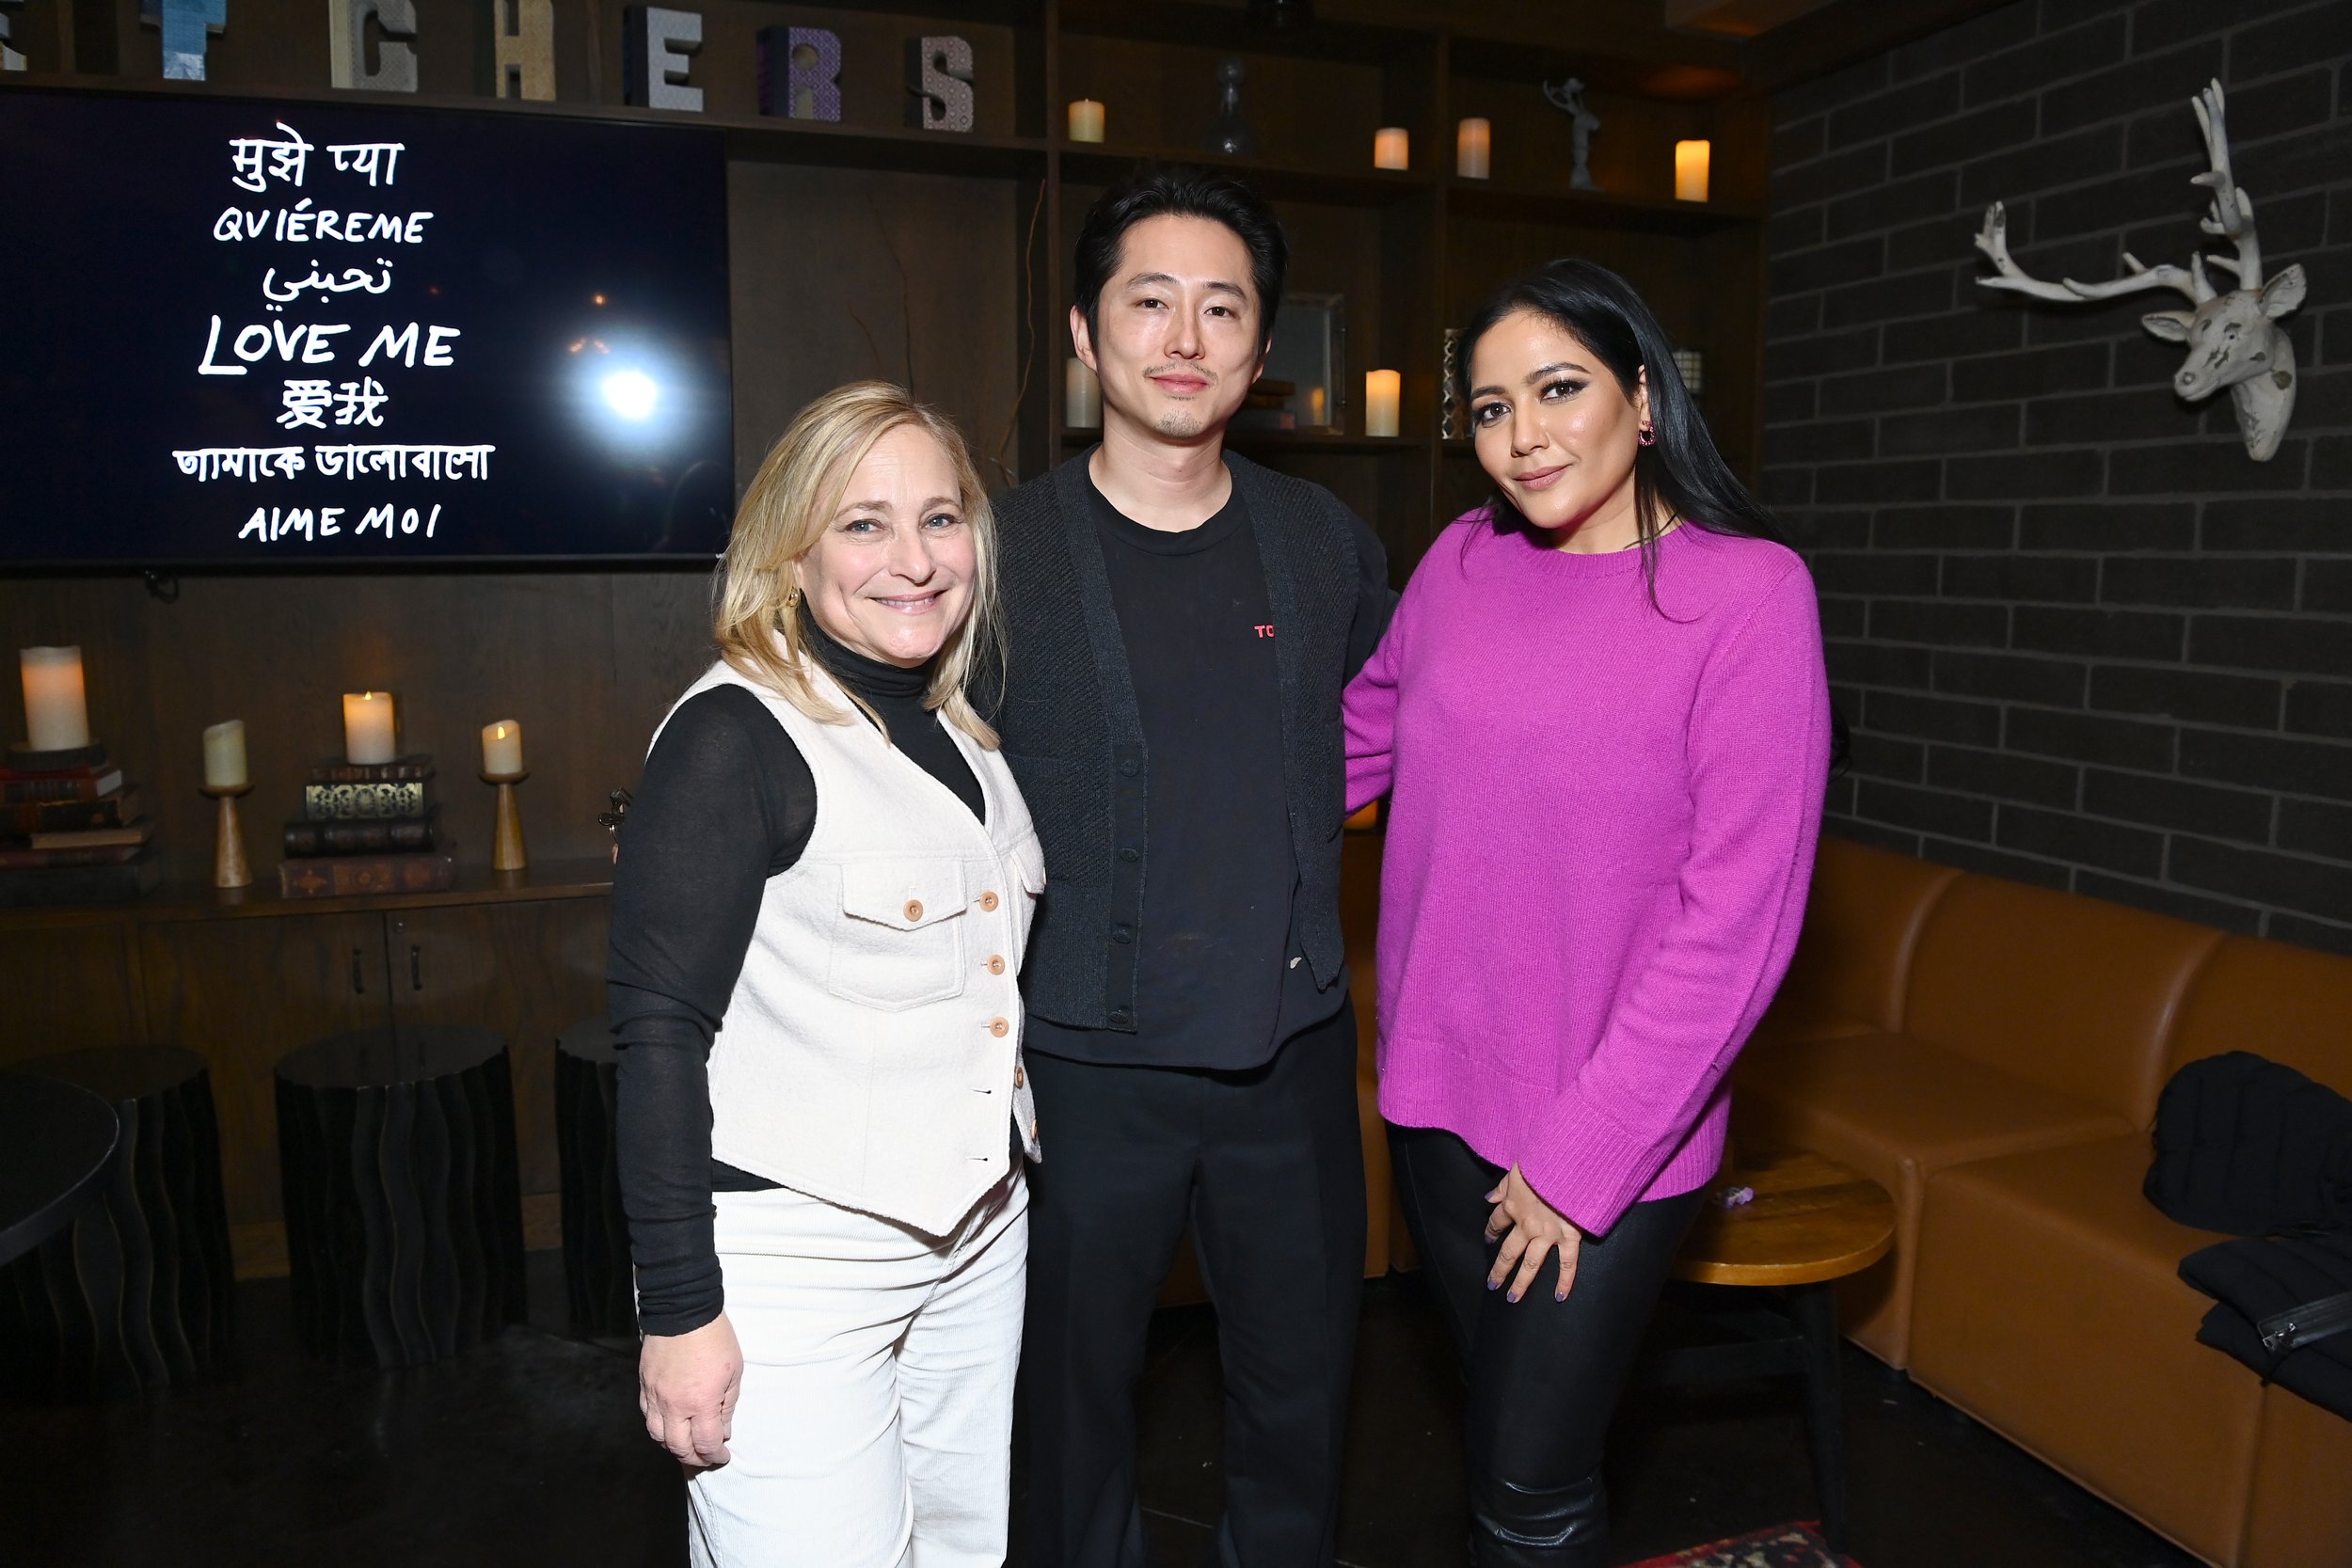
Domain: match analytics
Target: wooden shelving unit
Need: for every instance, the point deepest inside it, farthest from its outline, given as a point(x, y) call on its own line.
point(1410, 252)
point(858, 249)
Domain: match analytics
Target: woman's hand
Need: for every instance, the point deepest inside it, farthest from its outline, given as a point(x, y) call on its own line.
point(686, 1385)
point(1530, 1228)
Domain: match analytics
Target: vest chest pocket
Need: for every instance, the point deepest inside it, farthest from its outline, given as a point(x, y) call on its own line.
point(900, 942)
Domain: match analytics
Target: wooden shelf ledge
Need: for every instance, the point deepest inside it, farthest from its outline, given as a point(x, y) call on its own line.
point(179, 901)
point(1099, 163)
point(1484, 199)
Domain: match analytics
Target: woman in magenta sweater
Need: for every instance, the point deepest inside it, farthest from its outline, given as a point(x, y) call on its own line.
point(1601, 718)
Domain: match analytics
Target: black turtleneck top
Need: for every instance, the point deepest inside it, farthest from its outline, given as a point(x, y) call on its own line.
point(727, 802)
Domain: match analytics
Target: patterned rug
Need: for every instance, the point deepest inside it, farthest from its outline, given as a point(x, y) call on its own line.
point(1782, 1546)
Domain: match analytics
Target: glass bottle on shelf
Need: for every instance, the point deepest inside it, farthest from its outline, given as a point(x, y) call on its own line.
point(1229, 132)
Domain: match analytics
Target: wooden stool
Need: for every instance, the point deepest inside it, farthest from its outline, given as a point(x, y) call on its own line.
point(1811, 1222)
point(60, 1141)
point(138, 1293)
point(403, 1213)
point(597, 1281)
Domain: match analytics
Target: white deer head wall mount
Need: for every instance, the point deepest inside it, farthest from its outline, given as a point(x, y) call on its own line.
point(2234, 339)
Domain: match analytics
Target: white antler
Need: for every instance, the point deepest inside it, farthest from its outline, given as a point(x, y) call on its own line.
point(1993, 239)
point(2232, 216)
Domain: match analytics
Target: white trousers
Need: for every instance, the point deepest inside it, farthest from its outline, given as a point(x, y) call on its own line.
point(874, 1426)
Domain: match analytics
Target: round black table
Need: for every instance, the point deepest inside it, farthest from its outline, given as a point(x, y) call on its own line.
point(597, 1279)
point(57, 1138)
point(135, 1295)
point(404, 1208)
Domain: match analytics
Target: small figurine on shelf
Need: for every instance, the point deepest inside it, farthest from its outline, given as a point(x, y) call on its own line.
point(1229, 132)
point(1568, 98)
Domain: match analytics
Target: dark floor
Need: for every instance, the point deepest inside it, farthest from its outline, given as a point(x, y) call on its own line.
point(529, 1450)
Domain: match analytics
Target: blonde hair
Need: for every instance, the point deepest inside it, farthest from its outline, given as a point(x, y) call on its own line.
point(791, 502)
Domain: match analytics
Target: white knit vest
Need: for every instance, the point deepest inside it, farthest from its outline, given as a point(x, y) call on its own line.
point(871, 1054)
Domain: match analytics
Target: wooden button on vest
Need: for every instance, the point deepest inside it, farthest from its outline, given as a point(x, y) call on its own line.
point(1000, 1028)
point(914, 910)
point(988, 902)
point(1019, 1078)
point(996, 963)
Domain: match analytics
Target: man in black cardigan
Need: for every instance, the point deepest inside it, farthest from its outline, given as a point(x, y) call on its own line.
point(1180, 624)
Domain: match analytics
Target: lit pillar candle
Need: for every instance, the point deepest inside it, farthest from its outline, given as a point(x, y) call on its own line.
point(224, 755)
point(1315, 406)
point(1383, 391)
point(1392, 148)
point(1473, 150)
point(503, 747)
point(368, 726)
point(1085, 120)
point(1081, 396)
point(57, 715)
point(1690, 158)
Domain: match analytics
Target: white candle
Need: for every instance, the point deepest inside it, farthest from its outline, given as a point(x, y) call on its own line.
point(1691, 159)
point(57, 715)
point(1085, 120)
point(1081, 396)
point(368, 726)
point(1383, 391)
point(503, 747)
point(1392, 148)
point(1473, 150)
point(224, 755)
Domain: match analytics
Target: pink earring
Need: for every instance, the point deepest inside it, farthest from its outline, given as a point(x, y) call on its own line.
point(1648, 436)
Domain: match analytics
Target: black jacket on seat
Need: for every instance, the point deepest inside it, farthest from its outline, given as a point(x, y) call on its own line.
point(2249, 1146)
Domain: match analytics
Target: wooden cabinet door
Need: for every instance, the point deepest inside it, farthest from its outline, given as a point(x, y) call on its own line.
point(67, 986)
point(243, 993)
point(528, 971)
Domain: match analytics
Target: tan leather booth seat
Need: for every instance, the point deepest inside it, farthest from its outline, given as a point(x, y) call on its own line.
point(1862, 925)
point(2292, 1005)
point(2028, 1019)
point(2008, 1110)
point(2047, 1304)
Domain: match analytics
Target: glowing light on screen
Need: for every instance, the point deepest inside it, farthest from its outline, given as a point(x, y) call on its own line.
point(631, 394)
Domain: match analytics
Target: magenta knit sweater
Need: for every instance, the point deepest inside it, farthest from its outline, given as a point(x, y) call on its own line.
point(1599, 836)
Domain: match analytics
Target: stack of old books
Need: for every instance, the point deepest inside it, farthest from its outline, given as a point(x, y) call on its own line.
point(367, 826)
point(71, 831)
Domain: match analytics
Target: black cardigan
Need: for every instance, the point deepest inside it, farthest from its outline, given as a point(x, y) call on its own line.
point(1075, 740)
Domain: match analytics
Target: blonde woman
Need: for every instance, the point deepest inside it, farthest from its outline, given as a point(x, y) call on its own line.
point(818, 925)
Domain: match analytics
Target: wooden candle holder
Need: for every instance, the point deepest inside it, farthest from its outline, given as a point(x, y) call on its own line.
point(506, 837)
point(229, 866)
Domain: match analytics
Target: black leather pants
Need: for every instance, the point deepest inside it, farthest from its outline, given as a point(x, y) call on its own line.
point(1544, 1376)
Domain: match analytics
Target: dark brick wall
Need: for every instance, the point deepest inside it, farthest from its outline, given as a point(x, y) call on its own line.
point(2083, 640)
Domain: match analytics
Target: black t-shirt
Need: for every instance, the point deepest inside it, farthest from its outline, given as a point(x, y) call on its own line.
point(1218, 981)
point(727, 801)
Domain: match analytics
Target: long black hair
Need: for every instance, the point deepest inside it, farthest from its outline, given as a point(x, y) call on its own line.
point(1680, 476)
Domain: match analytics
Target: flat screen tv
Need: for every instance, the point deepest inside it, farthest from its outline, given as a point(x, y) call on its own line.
point(236, 332)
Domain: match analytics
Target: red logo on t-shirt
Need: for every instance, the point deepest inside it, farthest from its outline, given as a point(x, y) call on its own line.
point(1266, 631)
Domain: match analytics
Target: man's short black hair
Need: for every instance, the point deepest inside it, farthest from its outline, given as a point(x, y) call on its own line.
point(1154, 190)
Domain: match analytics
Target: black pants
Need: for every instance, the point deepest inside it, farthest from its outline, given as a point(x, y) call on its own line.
point(1544, 1375)
point(1268, 1166)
